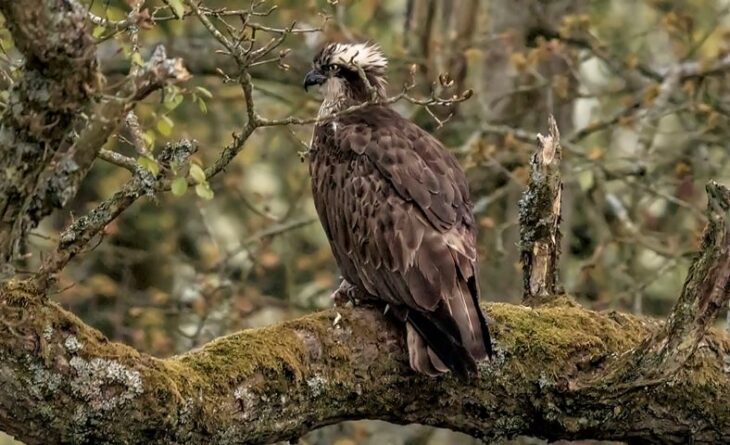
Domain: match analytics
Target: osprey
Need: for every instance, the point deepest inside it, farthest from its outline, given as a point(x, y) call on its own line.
point(395, 206)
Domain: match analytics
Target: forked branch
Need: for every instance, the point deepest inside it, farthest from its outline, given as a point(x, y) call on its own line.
point(704, 296)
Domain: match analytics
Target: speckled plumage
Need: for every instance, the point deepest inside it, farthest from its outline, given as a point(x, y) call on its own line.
point(395, 206)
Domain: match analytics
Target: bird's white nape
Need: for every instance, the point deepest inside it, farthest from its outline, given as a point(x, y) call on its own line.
point(365, 55)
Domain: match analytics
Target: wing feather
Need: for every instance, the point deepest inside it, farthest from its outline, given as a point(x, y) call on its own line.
point(399, 219)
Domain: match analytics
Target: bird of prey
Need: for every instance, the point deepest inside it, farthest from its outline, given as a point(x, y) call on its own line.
point(395, 206)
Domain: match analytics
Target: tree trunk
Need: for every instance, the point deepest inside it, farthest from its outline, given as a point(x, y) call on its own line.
point(59, 79)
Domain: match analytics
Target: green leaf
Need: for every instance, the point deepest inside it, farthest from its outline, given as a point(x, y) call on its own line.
point(173, 98)
point(205, 92)
point(137, 59)
point(585, 179)
point(149, 164)
point(164, 125)
point(98, 32)
point(179, 186)
point(149, 138)
point(201, 105)
point(197, 174)
point(177, 8)
point(203, 190)
point(173, 101)
point(126, 49)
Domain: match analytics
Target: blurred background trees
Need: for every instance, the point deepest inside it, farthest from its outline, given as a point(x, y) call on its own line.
point(639, 89)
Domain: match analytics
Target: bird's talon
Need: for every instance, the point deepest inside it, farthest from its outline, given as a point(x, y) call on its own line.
point(345, 295)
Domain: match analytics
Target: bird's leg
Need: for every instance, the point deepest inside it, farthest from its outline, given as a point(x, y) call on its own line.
point(347, 292)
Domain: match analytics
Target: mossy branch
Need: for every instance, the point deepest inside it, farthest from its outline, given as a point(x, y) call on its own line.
point(63, 382)
point(539, 211)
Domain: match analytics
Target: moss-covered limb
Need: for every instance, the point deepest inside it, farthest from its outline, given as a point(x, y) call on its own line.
point(704, 296)
point(60, 77)
point(539, 211)
point(62, 382)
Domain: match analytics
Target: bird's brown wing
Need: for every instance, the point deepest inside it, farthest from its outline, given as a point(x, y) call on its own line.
point(411, 237)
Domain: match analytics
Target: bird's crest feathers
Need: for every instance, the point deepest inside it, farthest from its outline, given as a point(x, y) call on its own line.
point(367, 56)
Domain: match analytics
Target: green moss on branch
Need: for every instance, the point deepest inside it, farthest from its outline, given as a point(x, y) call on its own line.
point(61, 381)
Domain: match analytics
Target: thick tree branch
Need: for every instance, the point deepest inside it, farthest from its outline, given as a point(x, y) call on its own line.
point(553, 374)
point(61, 381)
point(59, 79)
point(539, 211)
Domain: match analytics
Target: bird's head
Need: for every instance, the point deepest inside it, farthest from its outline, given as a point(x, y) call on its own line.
point(339, 68)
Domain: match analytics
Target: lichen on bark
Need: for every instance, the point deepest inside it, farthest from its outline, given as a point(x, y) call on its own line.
point(60, 77)
point(275, 383)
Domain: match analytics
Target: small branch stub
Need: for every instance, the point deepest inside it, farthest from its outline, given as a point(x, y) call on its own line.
point(539, 211)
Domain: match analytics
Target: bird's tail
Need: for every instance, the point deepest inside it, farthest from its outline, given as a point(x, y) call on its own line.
point(454, 337)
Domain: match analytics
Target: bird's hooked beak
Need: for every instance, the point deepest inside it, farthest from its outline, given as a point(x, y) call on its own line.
point(314, 77)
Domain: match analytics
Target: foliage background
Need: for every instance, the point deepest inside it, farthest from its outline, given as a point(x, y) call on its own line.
point(171, 274)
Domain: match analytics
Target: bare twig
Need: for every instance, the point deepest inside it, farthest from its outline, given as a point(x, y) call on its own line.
point(118, 159)
point(233, 51)
point(143, 18)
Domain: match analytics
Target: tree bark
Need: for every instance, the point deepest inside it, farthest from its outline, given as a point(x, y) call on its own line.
point(540, 211)
point(63, 382)
point(59, 79)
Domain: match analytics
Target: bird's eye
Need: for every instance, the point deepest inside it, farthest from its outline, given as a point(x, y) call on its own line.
point(331, 67)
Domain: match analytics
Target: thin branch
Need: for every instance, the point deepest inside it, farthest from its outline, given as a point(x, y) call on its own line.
point(143, 18)
point(118, 159)
point(79, 234)
point(213, 30)
point(138, 141)
point(135, 18)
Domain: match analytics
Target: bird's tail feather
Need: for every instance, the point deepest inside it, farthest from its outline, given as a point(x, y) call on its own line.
point(434, 345)
point(454, 337)
point(485, 337)
point(464, 308)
